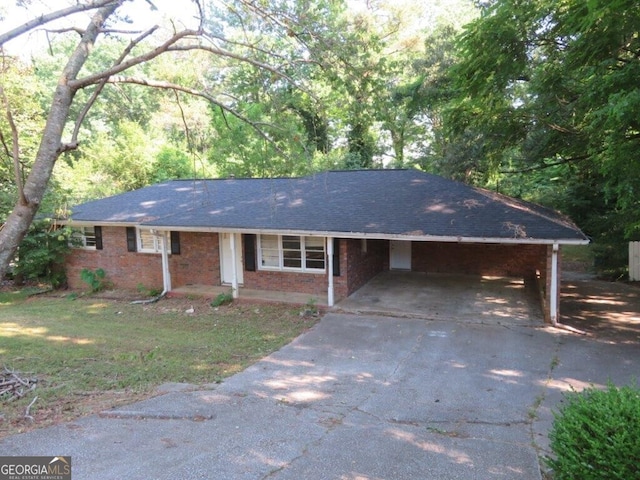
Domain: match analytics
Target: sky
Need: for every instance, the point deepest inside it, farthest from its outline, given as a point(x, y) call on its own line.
point(138, 10)
point(184, 12)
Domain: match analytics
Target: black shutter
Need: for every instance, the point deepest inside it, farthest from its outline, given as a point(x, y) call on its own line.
point(175, 243)
point(336, 257)
point(249, 243)
point(98, 235)
point(132, 244)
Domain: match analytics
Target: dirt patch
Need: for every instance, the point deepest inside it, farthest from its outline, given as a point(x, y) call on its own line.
point(607, 311)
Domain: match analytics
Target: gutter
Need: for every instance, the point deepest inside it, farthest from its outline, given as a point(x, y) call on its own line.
point(166, 274)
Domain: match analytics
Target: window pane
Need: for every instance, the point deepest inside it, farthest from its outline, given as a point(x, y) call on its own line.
point(315, 264)
point(89, 237)
point(269, 252)
point(291, 252)
point(314, 243)
point(147, 241)
point(290, 243)
point(314, 253)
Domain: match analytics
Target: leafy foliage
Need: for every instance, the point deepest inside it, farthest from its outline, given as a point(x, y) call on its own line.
point(543, 84)
point(42, 253)
point(95, 279)
point(595, 435)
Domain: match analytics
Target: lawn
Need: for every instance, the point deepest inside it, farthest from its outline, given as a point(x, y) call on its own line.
point(90, 354)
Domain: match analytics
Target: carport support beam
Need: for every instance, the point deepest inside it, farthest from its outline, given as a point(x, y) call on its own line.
point(330, 298)
point(553, 294)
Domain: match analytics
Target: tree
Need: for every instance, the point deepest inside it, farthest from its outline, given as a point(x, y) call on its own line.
point(545, 86)
point(65, 114)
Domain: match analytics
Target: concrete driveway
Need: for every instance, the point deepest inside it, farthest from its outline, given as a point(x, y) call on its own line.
point(358, 397)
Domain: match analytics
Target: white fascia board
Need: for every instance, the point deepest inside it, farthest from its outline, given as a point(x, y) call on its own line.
point(357, 235)
point(379, 236)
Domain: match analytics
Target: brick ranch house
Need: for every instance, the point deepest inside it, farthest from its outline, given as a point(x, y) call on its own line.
point(324, 235)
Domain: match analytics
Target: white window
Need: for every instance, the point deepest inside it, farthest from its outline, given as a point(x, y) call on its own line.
point(291, 252)
point(84, 237)
point(149, 242)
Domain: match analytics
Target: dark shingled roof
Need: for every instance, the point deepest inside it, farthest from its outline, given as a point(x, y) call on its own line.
point(382, 203)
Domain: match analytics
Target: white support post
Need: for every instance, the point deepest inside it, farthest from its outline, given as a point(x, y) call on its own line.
point(553, 293)
point(330, 298)
point(234, 266)
point(166, 274)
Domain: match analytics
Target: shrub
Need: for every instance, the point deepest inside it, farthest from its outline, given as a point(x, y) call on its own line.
point(222, 299)
point(95, 279)
point(42, 252)
point(596, 435)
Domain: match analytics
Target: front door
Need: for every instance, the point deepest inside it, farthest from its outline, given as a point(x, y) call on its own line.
point(399, 255)
point(226, 270)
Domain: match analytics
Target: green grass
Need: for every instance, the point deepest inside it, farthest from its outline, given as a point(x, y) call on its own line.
point(90, 353)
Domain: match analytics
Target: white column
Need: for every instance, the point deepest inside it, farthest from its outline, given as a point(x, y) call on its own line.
point(553, 293)
point(166, 274)
point(234, 266)
point(330, 299)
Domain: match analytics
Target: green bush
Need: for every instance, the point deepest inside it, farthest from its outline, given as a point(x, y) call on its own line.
point(42, 252)
point(222, 299)
point(94, 279)
point(596, 435)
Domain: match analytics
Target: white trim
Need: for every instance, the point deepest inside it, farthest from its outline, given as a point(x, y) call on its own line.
point(166, 273)
point(553, 294)
point(330, 294)
point(156, 234)
point(234, 266)
point(328, 233)
point(281, 267)
point(79, 233)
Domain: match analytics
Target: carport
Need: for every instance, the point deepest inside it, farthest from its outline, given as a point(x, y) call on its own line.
point(438, 296)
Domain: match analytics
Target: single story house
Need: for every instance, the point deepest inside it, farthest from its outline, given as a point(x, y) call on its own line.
point(324, 235)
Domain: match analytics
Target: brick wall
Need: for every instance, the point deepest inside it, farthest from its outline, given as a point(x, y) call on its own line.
point(196, 264)
point(364, 265)
point(199, 263)
point(478, 259)
point(199, 260)
point(311, 283)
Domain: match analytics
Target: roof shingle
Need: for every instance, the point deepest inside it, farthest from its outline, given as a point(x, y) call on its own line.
point(384, 203)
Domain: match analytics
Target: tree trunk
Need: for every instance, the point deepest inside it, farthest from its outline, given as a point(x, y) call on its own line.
point(19, 221)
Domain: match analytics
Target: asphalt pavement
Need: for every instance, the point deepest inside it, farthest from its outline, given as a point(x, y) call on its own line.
point(357, 397)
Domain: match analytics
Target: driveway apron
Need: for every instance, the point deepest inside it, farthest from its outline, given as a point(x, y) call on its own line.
point(356, 397)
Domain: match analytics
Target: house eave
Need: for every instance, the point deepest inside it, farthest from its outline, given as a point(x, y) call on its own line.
point(338, 234)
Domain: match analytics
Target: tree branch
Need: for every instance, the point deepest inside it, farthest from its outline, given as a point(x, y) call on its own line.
point(121, 67)
point(562, 161)
point(44, 19)
point(103, 82)
point(201, 94)
point(226, 53)
point(15, 151)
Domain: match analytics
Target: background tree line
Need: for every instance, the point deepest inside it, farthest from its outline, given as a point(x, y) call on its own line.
point(534, 98)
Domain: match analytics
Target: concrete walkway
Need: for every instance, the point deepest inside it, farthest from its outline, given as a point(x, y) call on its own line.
point(356, 397)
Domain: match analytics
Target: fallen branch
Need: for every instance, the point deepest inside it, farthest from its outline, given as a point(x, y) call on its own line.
point(28, 410)
point(14, 387)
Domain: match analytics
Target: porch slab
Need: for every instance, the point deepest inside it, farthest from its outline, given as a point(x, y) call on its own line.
point(212, 291)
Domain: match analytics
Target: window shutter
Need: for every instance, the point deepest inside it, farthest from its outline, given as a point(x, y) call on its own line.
point(131, 239)
point(249, 243)
point(336, 257)
point(98, 233)
point(175, 243)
